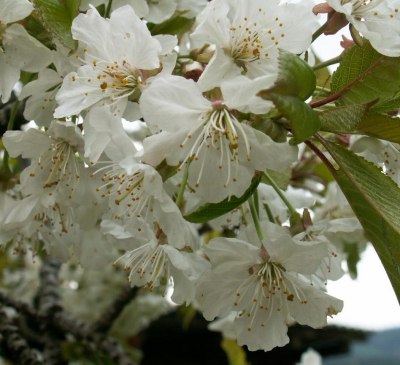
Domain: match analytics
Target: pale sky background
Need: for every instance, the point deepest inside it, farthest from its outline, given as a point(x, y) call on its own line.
point(369, 301)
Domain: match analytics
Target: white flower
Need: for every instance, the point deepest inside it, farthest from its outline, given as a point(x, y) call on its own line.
point(139, 6)
point(18, 50)
point(383, 153)
point(159, 262)
point(55, 170)
point(376, 20)
point(41, 92)
point(223, 153)
point(120, 55)
point(136, 198)
point(104, 133)
point(247, 36)
point(267, 286)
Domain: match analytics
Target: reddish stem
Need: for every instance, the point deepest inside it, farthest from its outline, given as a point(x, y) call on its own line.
point(322, 157)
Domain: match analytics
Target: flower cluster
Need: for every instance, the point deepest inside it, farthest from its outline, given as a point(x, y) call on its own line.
point(154, 151)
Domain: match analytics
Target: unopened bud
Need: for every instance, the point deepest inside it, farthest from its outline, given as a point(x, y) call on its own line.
point(193, 70)
point(206, 54)
point(346, 43)
point(323, 8)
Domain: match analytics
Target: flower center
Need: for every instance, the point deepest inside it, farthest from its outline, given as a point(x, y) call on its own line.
point(223, 132)
point(119, 79)
point(58, 168)
point(250, 42)
point(266, 289)
point(126, 189)
point(147, 265)
point(247, 42)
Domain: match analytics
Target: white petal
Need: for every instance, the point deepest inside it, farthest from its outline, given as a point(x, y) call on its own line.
point(240, 93)
point(171, 103)
point(221, 67)
point(13, 10)
point(104, 132)
point(9, 75)
point(29, 144)
point(319, 305)
point(160, 10)
point(26, 51)
point(159, 146)
point(78, 93)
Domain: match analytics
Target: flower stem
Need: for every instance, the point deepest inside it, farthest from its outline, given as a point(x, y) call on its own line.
point(179, 198)
point(280, 193)
point(256, 220)
point(10, 127)
point(318, 32)
point(108, 9)
point(319, 153)
point(269, 213)
point(13, 114)
point(326, 63)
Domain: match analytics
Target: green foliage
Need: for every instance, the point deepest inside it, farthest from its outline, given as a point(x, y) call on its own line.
point(344, 119)
point(380, 126)
point(177, 25)
point(236, 354)
point(281, 178)
point(351, 251)
point(57, 17)
point(295, 77)
point(304, 120)
point(295, 83)
point(365, 75)
point(358, 119)
point(375, 199)
point(214, 210)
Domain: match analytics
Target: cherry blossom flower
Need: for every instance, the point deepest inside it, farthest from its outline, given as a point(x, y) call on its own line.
point(247, 36)
point(55, 170)
point(223, 153)
point(119, 55)
point(376, 20)
point(18, 50)
point(267, 286)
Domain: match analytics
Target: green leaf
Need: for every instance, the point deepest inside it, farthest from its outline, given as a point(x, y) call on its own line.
point(352, 253)
point(357, 119)
point(281, 178)
point(364, 75)
point(214, 210)
point(236, 354)
point(375, 199)
point(57, 17)
point(343, 119)
point(381, 126)
point(303, 120)
point(177, 25)
point(166, 171)
point(295, 78)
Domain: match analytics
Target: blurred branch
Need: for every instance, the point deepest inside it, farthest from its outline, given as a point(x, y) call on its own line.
point(14, 344)
point(53, 324)
point(106, 321)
